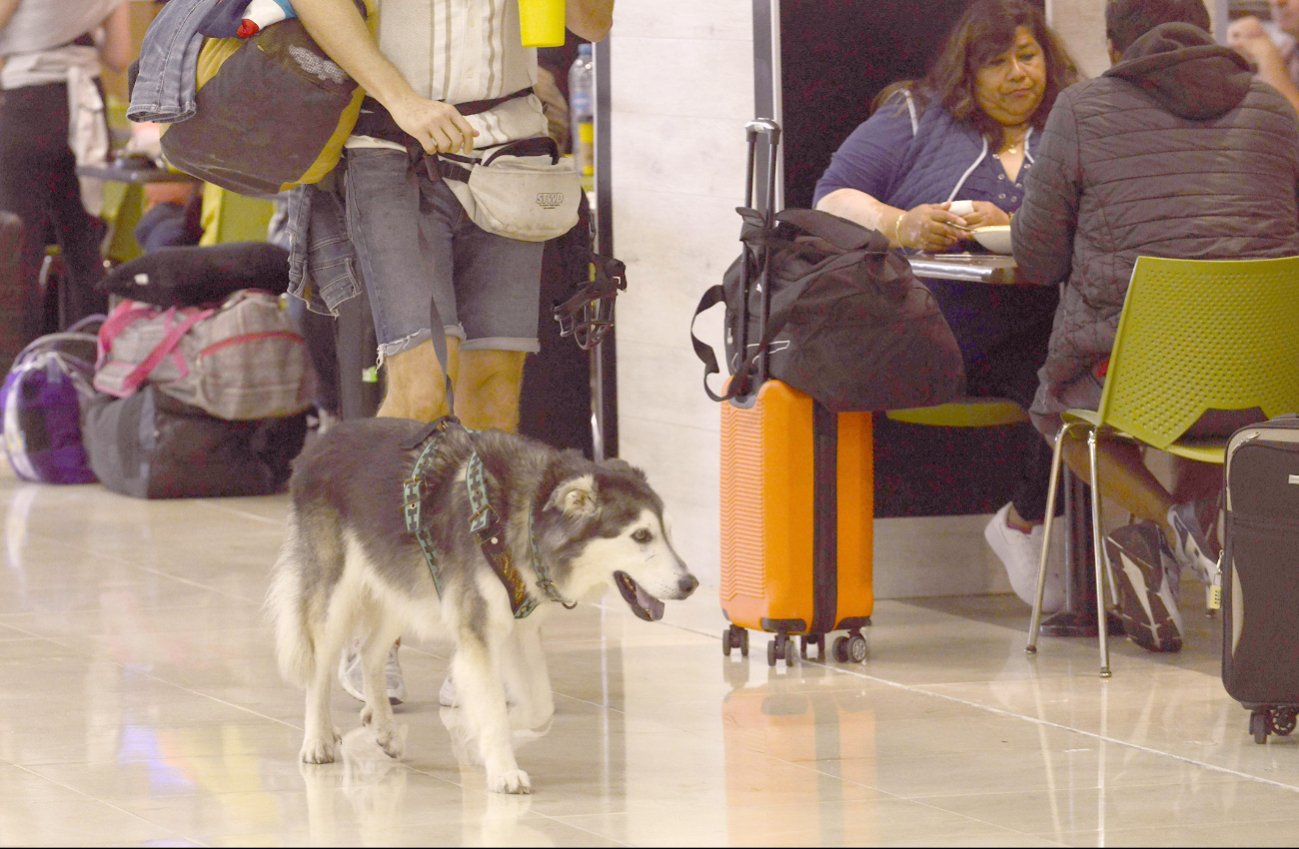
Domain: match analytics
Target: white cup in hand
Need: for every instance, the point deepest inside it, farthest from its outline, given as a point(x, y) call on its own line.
point(961, 207)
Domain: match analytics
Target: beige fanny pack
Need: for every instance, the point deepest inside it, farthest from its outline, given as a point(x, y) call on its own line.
point(520, 190)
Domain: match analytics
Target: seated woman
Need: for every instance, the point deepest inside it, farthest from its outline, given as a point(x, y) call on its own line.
point(967, 132)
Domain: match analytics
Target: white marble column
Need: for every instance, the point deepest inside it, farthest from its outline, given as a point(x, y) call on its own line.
point(1081, 25)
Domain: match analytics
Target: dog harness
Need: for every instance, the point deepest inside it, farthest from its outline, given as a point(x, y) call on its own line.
point(484, 524)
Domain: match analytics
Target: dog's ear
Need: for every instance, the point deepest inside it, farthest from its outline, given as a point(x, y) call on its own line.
point(575, 497)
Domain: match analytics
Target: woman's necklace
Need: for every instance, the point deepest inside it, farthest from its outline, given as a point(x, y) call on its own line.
point(1013, 148)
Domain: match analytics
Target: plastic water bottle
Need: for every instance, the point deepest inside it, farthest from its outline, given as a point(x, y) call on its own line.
point(581, 110)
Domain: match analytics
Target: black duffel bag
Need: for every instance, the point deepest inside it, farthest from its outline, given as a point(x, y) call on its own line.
point(150, 445)
point(848, 322)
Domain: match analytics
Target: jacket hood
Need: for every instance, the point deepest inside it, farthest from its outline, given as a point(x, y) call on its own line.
point(1182, 67)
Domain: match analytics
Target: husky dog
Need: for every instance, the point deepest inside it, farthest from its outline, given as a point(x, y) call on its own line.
point(565, 527)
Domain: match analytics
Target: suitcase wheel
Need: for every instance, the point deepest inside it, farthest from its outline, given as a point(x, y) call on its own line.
point(781, 647)
point(851, 648)
point(735, 637)
point(1258, 725)
point(1271, 720)
point(817, 640)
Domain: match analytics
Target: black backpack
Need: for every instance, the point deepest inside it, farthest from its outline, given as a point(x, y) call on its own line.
point(847, 321)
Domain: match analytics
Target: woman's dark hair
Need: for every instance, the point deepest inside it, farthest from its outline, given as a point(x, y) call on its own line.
point(985, 31)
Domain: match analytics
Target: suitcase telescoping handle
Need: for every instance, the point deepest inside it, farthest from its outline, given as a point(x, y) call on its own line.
point(769, 128)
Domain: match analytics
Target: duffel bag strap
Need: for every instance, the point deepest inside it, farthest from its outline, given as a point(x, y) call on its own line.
point(713, 296)
point(840, 232)
point(138, 375)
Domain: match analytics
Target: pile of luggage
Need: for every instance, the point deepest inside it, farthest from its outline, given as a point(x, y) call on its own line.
point(196, 383)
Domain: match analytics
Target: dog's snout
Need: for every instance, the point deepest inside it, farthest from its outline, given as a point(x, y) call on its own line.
point(687, 585)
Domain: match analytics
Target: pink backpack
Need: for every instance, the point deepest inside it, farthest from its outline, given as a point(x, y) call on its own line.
point(240, 360)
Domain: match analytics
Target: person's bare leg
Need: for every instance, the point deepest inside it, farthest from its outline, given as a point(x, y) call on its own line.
point(415, 386)
point(488, 387)
point(1125, 479)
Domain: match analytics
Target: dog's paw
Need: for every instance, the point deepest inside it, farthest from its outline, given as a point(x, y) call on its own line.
point(513, 781)
point(392, 743)
point(321, 750)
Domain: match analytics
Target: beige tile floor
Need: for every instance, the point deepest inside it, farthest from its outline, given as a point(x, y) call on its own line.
point(141, 707)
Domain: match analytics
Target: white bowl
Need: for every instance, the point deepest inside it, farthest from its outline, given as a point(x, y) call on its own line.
point(995, 239)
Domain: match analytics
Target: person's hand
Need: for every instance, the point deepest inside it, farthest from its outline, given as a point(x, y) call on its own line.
point(986, 214)
point(438, 127)
point(1248, 38)
point(929, 227)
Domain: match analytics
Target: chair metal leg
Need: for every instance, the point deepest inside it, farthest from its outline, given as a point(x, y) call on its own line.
point(1102, 630)
point(1052, 487)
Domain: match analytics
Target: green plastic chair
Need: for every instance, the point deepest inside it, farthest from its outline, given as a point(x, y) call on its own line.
point(966, 412)
point(1194, 336)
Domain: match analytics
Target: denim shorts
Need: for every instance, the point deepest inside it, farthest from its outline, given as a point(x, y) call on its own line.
point(414, 240)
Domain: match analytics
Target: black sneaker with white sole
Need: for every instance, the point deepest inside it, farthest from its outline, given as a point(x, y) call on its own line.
point(1147, 578)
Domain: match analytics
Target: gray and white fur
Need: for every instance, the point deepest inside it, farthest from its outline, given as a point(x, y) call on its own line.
point(349, 567)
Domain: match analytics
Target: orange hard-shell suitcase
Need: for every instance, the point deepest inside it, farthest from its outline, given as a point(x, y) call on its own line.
point(797, 520)
point(797, 498)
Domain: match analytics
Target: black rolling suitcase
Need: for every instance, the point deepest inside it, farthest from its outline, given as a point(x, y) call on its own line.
point(1260, 574)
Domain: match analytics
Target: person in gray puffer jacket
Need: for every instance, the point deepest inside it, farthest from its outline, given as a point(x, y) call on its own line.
point(1175, 151)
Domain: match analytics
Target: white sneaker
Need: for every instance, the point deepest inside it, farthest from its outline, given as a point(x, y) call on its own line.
point(1020, 554)
point(349, 674)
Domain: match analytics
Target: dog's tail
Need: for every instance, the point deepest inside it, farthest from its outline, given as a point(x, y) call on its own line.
point(286, 603)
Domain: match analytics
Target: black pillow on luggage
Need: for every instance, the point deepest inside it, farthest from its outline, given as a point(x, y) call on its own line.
point(190, 274)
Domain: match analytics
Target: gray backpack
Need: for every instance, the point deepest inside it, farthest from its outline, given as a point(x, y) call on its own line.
point(240, 360)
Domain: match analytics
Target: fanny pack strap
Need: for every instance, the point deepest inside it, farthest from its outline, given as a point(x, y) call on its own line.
point(454, 166)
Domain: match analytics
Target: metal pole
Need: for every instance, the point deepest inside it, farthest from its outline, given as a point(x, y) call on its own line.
point(602, 234)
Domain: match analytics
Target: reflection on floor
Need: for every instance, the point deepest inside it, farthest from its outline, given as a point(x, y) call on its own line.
point(142, 707)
